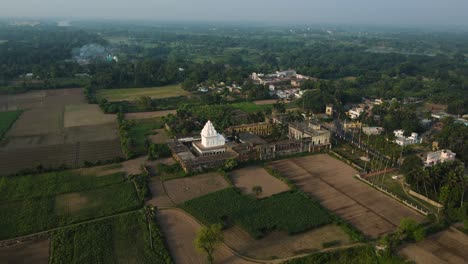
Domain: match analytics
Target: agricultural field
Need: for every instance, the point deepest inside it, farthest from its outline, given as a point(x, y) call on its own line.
point(139, 132)
point(180, 230)
point(279, 244)
point(265, 102)
point(291, 212)
point(132, 94)
point(246, 178)
point(332, 183)
point(56, 128)
point(448, 246)
point(6, 121)
point(36, 251)
point(40, 202)
point(86, 115)
point(187, 188)
point(251, 107)
point(123, 238)
point(147, 115)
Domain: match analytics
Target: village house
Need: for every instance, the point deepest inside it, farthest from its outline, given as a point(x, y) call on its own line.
point(440, 156)
point(402, 140)
point(355, 112)
point(370, 131)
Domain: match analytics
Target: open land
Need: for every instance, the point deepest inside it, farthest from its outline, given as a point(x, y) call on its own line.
point(26, 252)
point(6, 121)
point(265, 102)
point(332, 183)
point(180, 230)
point(184, 189)
point(146, 115)
point(248, 177)
point(279, 244)
point(56, 128)
point(449, 246)
point(132, 94)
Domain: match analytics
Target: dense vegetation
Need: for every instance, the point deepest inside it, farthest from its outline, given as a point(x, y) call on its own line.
point(445, 182)
point(120, 239)
point(292, 211)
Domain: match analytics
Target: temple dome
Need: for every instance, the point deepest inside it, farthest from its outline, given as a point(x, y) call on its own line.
point(211, 138)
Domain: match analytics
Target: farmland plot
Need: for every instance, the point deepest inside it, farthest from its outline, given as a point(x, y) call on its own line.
point(331, 182)
point(246, 178)
point(448, 246)
point(26, 252)
point(57, 127)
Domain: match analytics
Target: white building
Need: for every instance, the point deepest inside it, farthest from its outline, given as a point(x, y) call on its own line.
point(211, 141)
point(439, 157)
point(355, 112)
point(405, 141)
point(372, 130)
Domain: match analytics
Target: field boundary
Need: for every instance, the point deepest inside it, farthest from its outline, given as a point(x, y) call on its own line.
point(388, 193)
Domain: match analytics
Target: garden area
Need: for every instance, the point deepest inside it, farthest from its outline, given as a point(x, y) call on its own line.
point(34, 203)
point(120, 239)
point(292, 212)
point(251, 107)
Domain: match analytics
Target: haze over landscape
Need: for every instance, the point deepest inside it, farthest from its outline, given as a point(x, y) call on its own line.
point(399, 12)
point(234, 132)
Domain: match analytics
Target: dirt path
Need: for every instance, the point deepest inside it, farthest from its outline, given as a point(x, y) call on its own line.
point(180, 230)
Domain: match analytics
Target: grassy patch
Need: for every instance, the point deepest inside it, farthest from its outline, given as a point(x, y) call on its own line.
point(250, 107)
point(120, 239)
point(6, 121)
point(139, 131)
point(132, 94)
point(292, 211)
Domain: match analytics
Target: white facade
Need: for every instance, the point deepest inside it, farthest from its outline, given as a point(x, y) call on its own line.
point(355, 112)
point(401, 140)
point(211, 138)
point(439, 157)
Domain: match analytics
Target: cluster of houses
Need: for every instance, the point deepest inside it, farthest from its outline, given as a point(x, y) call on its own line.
point(283, 84)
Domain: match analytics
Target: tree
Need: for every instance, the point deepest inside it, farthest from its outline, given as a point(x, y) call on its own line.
point(257, 190)
point(208, 238)
point(230, 164)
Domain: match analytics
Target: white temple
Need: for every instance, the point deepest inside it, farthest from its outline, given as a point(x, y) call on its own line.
point(210, 138)
point(211, 141)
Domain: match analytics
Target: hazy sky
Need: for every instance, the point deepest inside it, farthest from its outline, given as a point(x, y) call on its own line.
point(414, 12)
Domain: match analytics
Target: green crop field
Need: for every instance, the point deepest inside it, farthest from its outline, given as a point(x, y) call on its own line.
point(120, 239)
point(250, 107)
point(139, 131)
point(291, 211)
point(132, 94)
point(6, 121)
point(51, 200)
